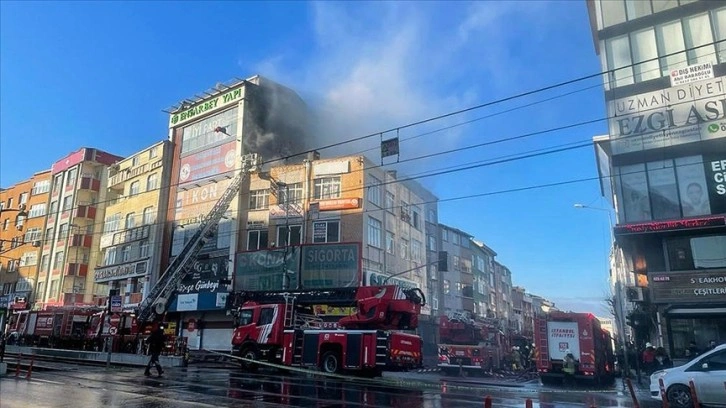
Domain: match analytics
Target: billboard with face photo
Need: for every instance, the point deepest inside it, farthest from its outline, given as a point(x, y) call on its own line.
point(692, 186)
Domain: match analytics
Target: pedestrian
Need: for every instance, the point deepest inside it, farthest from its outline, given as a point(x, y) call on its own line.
point(156, 344)
point(648, 359)
point(568, 369)
point(692, 350)
point(662, 361)
point(711, 345)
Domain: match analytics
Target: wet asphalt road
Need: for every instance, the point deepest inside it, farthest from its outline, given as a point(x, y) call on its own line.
point(79, 387)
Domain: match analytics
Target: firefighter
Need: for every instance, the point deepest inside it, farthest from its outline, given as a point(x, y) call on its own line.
point(516, 359)
point(156, 342)
point(568, 369)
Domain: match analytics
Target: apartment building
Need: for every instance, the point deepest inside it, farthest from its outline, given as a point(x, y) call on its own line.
point(458, 281)
point(502, 292)
point(23, 208)
point(133, 228)
point(73, 228)
point(483, 268)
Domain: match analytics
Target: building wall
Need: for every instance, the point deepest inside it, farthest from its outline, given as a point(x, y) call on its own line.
point(459, 280)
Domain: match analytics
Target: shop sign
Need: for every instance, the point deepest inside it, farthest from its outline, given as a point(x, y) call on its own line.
point(264, 270)
point(118, 272)
point(196, 201)
point(207, 163)
point(330, 265)
point(686, 287)
point(4, 300)
point(339, 204)
point(282, 211)
point(207, 106)
point(205, 276)
point(660, 226)
point(673, 116)
point(379, 279)
point(691, 73)
point(715, 167)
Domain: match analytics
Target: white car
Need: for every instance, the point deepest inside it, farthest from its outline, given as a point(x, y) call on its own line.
point(708, 373)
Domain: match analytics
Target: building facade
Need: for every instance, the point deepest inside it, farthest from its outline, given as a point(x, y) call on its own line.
point(73, 229)
point(23, 208)
point(133, 228)
point(458, 281)
point(663, 163)
point(503, 294)
point(482, 265)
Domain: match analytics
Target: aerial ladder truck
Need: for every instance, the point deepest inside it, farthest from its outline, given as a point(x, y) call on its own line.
point(281, 328)
point(157, 302)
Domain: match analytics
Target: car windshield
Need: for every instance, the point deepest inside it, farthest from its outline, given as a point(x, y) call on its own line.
point(245, 317)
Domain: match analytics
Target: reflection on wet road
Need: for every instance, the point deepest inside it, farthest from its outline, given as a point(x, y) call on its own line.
point(123, 387)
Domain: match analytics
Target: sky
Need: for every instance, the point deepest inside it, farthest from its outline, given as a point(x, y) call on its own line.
point(99, 74)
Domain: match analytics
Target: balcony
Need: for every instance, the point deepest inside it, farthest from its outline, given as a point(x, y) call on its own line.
point(86, 211)
point(90, 183)
point(116, 181)
point(81, 240)
point(76, 269)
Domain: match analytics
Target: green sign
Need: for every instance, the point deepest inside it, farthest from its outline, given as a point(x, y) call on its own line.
point(330, 266)
point(264, 270)
point(207, 106)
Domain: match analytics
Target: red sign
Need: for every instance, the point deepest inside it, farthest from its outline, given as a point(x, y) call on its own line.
point(69, 161)
point(658, 226)
point(339, 204)
point(191, 325)
point(114, 320)
point(207, 163)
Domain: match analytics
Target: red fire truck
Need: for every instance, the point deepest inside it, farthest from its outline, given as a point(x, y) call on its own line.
point(58, 327)
point(280, 327)
point(468, 345)
point(580, 334)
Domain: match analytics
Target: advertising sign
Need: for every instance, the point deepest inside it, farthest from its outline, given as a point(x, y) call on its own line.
point(330, 265)
point(207, 163)
point(715, 167)
point(378, 279)
point(264, 270)
point(658, 226)
point(205, 276)
point(195, 201)
point(207, 106)
point(339, 204)
point(686, 287)
point(117, 304)
point(691, 73)
point(117, 272)
point(282, 211)
point(668, 117)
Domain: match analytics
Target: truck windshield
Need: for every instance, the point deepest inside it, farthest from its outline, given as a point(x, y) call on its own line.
point(245, 317)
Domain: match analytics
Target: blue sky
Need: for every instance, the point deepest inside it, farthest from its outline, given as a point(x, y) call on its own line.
point(98, 74)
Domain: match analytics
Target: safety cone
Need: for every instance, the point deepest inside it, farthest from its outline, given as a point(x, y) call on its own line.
point(30, 368)
point(488, 402)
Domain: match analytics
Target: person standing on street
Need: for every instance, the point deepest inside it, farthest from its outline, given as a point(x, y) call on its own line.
point(156, 344)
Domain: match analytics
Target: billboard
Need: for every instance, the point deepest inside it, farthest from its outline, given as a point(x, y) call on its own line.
point(207, 163)
point(715, 167)
point(202, 289)
point(685, 287)
point(195, 201)
point(264, 270)
point(330, 265)
point(673, 116)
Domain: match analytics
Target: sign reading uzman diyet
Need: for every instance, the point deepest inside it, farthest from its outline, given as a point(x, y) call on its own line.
point(668, 117)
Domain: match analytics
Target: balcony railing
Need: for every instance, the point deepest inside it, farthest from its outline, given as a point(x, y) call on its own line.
point(76, 269)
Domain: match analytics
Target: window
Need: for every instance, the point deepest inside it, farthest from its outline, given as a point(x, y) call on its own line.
point(63, 231)
point(201, 134)
point(697, 30)
point(719, 29)
point(663, 190)
point(130, 220)
point(637, 8)
point(53, 288)
point(152, 182)
point(32, 235)
point(291, 193)
point(144, 249)
point(455, 238)
point(374, 232)
point(390, 201)
point(109, 258)
point(613, 12)
point(456, 262)
point(10, 203)
point(326, 231)
point(327, 187)
point(153, 152)
point(49, 234)
point(67, 203)
point(134, 189)
point(432, 216)
point(13, 265)
point(636, 201)
point(37, 210)
point(670, 41)
point(59, 259)
point(44, 262)
point(125, 253)
point(416, 218)
point(23, 199)
point(245, 317)
point(148, 217)
point(259, 199)
point(57, 182)
point(416, 253)
point(689, 253)
point(390, 243)
point(19, 222)
point(71, 180)
point(29, 259)
point(53, 207)
point(112, 223)
point(432, 243)
point(645, 49)
point(661, 5)
point(134, 161)
point(5, 224)
point(445, 235)
point(256, 239)
point(618, 54)
point(289, 235)
point(404, 249)
point(266, 315)
point(41, 187)
point(374, 191)
point(447, 286)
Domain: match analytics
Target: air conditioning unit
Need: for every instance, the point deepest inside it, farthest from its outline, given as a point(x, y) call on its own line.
point(634, 294)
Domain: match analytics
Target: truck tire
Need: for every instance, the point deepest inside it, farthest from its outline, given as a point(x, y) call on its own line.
point(679, 396)
point(330, 363)
point(249, 353)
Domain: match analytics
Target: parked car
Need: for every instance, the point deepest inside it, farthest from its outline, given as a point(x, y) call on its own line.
point(708, 373)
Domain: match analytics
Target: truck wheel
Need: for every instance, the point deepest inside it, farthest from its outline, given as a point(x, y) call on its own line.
point(679, 396)
point(250, 353)
point(330, 362)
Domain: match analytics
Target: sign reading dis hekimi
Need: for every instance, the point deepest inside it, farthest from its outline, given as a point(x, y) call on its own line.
point(691, 73)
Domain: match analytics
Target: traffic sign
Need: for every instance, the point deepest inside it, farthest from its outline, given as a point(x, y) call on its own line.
point(117, 304)
point(114, 320)
point(113, 330)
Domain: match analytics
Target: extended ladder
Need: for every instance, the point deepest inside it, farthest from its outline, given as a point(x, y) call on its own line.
point(157, 301)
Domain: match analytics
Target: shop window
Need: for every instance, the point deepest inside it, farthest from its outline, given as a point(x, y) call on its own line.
point(692, 186)
point(689, 253)
point(701, 331)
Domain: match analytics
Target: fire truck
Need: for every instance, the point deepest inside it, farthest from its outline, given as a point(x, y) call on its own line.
point(579, 333)
point(281, 327)
point(468, 345)
point(56, 327)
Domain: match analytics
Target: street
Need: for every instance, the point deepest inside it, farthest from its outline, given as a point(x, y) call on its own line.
point(80, 386)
